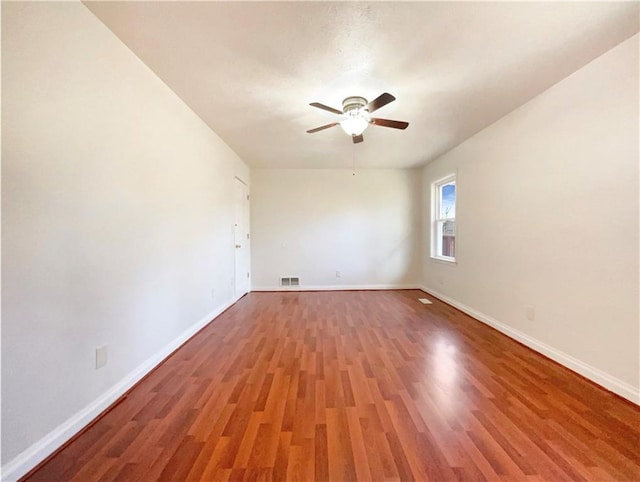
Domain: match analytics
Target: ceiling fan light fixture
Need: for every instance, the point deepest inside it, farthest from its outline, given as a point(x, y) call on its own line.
point(356, 112)
point(355, 123)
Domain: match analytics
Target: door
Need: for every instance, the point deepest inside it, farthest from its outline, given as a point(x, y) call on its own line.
point(241, 238)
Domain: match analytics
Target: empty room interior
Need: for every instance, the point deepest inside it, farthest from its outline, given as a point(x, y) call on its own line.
point(320, 241)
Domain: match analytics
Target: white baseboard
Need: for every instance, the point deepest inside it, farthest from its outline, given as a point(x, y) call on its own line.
point(36, 453)
point(596, 375)
point(337, 287)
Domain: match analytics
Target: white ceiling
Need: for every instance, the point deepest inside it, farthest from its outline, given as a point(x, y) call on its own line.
point(250, 69)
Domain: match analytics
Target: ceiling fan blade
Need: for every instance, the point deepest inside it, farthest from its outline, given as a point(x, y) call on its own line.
point(321, 128)
point(380, 101)
point(388, 123)
point(357, 139)
point(326, 107)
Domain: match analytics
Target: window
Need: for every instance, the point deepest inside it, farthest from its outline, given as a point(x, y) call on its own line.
point(443, 241)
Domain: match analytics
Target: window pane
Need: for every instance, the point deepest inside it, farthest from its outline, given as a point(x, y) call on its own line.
point(448, 200)
point(448, 241)
point(443, 234)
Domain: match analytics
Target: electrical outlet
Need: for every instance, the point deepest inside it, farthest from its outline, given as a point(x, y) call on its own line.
point(213, 293)
point(530, 313)
point(101, 356)
point(338, 274)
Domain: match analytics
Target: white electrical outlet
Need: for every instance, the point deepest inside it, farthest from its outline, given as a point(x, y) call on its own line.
point(338, 274)
point(213, 293)
point(530, 313)
point(101, 356)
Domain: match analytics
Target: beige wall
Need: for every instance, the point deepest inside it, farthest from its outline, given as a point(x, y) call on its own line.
point(548, 218)
point(312, 223)
point(117, 216)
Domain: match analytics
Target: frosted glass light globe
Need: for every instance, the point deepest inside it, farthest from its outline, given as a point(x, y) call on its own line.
point(354, 125)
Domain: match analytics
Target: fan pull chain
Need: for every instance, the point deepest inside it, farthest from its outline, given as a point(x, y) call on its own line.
point(353, 160)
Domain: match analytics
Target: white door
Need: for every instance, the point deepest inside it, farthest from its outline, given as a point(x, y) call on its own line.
point(241, 238)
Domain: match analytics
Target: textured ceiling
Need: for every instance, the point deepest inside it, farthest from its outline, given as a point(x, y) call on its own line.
point(250, 69)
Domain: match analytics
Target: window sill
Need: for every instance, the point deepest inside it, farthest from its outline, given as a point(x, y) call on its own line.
point(449, 261)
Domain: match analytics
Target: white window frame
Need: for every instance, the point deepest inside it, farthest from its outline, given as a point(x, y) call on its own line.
point(437, 223)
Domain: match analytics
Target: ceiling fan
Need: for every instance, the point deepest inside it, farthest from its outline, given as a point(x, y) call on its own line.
point(356, 112)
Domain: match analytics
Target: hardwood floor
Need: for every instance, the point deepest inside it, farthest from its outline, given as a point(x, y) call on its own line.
point(368, 385)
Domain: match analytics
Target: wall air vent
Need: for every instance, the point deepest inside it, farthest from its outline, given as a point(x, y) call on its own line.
point(290, 281)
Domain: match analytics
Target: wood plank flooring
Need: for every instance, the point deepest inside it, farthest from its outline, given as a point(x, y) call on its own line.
point(367, 385)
